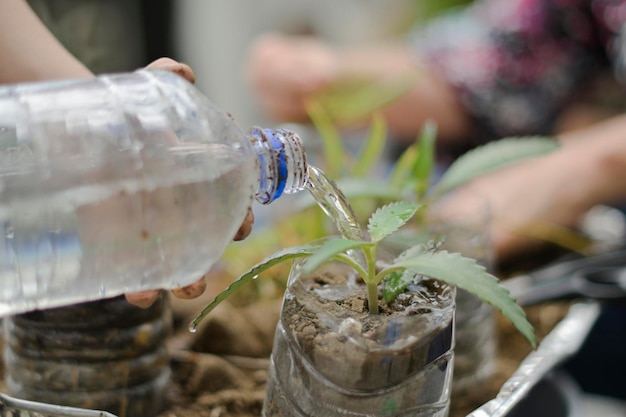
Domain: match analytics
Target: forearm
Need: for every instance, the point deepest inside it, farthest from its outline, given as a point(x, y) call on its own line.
point(429, 97)
point(595, 158)
point(28, 51)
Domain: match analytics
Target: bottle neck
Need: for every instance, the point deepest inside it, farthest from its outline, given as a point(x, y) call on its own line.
point(282, 163)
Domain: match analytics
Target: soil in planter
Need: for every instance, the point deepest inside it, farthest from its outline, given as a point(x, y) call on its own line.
point(332, 357)
point(229, 384)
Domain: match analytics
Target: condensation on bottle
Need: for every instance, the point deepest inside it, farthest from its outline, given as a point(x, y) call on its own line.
point(125, 182)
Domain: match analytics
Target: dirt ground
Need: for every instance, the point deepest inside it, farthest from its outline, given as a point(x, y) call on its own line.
point(221, 370)
point(214, 375)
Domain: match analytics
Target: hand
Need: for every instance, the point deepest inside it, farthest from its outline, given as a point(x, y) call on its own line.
point(526, 201)
point(176, 67)
point(284, 71)
point(145, 299)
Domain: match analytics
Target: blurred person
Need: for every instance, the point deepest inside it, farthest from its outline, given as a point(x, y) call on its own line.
point(493, 69)
point(30, 52)
point(489, 70)
point(556, 189)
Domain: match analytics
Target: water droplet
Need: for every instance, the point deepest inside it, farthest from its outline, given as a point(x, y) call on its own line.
point(193, 327)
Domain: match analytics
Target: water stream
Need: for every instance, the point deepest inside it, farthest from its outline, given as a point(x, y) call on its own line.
point(335, 204)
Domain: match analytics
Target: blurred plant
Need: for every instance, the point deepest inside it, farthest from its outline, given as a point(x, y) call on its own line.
point(421, 260)
point(410, 177)
point(428, 9)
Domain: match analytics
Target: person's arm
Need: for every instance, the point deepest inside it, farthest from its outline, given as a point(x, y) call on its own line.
point(285, 71)
point(529, 198)
point(28, 51)
point(492, 70)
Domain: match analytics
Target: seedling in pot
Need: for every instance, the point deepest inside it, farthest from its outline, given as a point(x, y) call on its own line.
point(422, 259)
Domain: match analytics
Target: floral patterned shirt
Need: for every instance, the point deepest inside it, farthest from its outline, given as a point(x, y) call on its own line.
point(517, 63)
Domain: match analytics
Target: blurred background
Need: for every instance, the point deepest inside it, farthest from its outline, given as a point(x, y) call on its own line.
point(214, 36)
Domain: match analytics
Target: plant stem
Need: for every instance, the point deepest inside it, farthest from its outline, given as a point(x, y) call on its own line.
point(372, 284)
point(372, 297)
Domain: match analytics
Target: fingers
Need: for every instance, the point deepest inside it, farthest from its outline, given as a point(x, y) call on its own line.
point(176, 67)
point(143, 299)
point(191, 291)
point(246, 226)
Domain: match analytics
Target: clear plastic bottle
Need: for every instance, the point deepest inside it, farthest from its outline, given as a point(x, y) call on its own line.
point(122, 183)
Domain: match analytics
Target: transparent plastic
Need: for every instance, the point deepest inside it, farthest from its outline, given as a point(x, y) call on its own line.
point(333, 358)
point(475, 351)
point(123, 183)
point(103, 355)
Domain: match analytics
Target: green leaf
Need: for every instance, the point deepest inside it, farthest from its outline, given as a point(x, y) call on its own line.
point(403, 168)
point(352, 100)
point(395, 283)
point(494, 155)
point(334, 151)
point(330, 248)
point(390, 218)
point(389, 407)
point(373, 148)
point(465, 273)
point(425, 158)
point(252, 273)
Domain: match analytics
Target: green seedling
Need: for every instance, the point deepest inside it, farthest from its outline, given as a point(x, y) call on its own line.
point(423, 259)
point(410, 179)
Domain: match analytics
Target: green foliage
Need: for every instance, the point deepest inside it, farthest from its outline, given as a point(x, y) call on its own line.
point(389, 218)
point(425, 159)
point(452, 268)
point(331, 248)
point(373, 148)
point(396, 282)
point(492, 156)
point(428, 9)
point(354, 100)
point(408, 184)
point(334, 152)
point(465, 273)
point(253, 273)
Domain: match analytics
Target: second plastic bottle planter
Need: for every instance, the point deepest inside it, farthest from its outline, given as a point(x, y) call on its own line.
point(331, 357)
point(101, 355)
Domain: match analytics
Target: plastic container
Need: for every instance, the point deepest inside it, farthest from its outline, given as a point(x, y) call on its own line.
point(475, 350)
point(102, 355)
point(331, 357)
point(123, 183)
